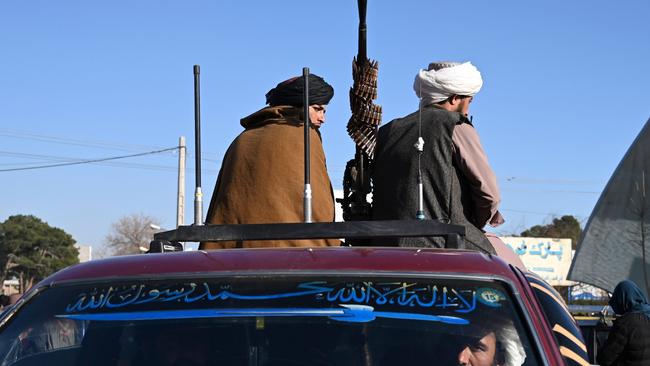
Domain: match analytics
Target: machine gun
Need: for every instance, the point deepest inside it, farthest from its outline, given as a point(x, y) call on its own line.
point(362, 128)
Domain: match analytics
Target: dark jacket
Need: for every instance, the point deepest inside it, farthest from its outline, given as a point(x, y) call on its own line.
point(395, 174)
point(628, 343)
point(262, 179)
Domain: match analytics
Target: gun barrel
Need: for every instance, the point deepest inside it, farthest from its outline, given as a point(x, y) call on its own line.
point(362, 55)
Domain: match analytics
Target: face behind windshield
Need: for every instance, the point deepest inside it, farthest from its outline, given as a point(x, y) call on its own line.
point(269, 321)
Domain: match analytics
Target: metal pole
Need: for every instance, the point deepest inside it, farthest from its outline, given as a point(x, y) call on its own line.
point(307, 195)
point(198, 195)
point(180, 202)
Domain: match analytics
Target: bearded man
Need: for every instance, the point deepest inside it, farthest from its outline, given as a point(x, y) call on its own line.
point(262, 175)
point(491, 342)
point(459, 187)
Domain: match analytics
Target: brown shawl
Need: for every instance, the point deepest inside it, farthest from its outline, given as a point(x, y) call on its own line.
point(262, 178)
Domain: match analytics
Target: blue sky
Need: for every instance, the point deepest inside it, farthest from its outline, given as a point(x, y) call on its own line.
point(565, 93)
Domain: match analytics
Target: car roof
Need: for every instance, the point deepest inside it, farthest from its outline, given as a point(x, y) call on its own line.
point(294, 260)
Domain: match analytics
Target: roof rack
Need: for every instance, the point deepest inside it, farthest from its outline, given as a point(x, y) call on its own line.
point(453, 234)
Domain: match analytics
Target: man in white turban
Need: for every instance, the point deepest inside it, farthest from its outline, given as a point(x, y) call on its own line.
point(443, 80)
point(459, 185)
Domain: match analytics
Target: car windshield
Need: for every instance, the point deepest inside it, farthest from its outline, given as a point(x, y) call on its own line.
point(272, 320)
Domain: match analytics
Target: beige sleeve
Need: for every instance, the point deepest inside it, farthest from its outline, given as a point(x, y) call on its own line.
point(473, 163)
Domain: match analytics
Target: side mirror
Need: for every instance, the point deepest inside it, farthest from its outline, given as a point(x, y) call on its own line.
point(163, 246)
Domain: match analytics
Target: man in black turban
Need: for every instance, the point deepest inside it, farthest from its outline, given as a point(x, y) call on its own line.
point(290, 92)
point(262, 175)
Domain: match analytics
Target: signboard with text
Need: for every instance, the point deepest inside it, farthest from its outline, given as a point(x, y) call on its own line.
point(549, 258)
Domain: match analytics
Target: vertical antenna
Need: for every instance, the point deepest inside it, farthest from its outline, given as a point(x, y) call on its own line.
point(362, 61)
point(419, 146)
point(198, 195)
point(307, 195)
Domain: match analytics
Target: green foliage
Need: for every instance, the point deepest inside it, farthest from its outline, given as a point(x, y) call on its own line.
point(31, 250)
point(565, 227)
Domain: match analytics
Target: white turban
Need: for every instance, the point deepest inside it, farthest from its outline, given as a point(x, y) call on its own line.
point(433, 86)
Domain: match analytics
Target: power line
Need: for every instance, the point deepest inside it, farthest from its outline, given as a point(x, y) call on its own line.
point(73, 142)
point(549, 191)
point(528, 180)
point(38, 156)
point(108, 163)
point(165, 168)
point(86, 161)
point(89, 143)
point(21, 164)
point(65, 159)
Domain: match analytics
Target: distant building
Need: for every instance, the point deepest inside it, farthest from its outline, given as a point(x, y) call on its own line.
point(85, 252)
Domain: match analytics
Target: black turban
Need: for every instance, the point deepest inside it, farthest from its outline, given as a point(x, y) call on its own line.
point(289, 92)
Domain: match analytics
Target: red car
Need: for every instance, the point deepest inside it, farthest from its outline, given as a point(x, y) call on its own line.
point(301, 306)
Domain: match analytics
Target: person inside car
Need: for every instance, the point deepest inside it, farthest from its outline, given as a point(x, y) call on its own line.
point(492, 343)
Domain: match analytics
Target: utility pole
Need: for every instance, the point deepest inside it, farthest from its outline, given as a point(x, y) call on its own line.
point(180, 207)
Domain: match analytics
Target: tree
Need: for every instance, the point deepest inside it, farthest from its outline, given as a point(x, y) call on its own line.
point(565, 227)
point(31, 250)
point(130, 233)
